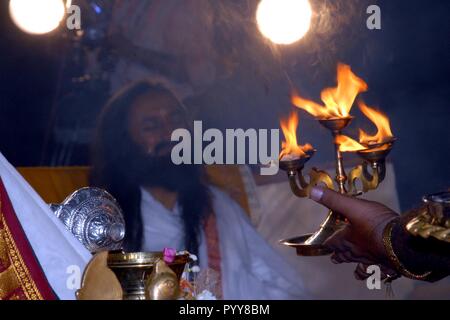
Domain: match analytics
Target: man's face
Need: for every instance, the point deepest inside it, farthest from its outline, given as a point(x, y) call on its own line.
point(152, 120)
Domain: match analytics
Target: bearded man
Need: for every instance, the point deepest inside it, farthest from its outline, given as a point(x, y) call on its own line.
point(168, 205)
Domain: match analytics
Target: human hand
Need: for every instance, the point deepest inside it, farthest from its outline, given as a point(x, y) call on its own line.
point(362, 240)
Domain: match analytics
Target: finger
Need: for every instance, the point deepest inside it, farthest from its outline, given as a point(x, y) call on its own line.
point(361, 256)
point(349, 257)
point(361, 259)
point(337, 258)
point(342, 257)
point(360, 272)
point(352, 208)
point(339, 242)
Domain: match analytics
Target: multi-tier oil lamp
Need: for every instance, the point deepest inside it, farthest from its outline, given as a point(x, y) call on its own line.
point(335, 116)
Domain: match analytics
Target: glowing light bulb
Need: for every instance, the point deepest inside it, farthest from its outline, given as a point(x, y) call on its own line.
point(37, 16)
point(284, 21)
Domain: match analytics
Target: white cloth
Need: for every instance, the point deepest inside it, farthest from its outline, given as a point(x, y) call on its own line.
point(251, 269)
point(163, 228)
point(56, 249)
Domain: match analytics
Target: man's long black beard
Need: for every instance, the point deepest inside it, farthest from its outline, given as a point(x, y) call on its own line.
point(186, 180)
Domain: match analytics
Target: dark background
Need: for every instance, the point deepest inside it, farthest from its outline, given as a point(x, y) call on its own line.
point(406, 65)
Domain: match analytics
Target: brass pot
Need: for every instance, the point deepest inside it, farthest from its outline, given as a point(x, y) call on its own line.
point(434, 218)
point(134, 269)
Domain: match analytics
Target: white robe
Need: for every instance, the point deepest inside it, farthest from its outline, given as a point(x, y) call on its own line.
point(251, 268)
point(61, 256)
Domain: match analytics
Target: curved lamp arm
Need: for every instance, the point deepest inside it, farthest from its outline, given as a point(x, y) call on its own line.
point(302, 188)
point(369, 180)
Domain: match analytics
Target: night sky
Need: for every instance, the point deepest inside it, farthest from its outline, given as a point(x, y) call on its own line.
point(406, 65)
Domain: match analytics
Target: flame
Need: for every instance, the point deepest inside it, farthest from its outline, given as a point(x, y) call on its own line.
point(382, 123)
point(338, 101)
point(382, 138)
point(290, 147)
point(347, 144)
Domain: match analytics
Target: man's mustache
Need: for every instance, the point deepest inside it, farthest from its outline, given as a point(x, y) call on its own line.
point(163, 147)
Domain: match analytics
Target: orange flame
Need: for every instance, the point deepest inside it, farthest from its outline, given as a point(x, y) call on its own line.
point(383, 136)
point(382, 123)
point(338, 101)
point(290, 147)
point(347, 144)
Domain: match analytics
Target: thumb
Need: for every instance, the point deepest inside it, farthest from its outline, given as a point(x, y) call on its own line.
point(351, 208)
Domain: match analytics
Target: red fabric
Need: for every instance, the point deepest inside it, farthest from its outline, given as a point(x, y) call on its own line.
point(25, 251)
point(213, 247)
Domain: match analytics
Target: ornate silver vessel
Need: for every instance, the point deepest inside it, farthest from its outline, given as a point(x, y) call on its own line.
point(94, 217)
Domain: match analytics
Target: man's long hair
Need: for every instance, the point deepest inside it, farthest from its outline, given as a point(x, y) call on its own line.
point(119, 166)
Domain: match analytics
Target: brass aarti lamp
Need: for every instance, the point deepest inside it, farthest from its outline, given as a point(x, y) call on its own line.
point(373, 151)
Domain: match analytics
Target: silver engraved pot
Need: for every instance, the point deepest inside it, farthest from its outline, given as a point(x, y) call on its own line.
point(94, 218)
